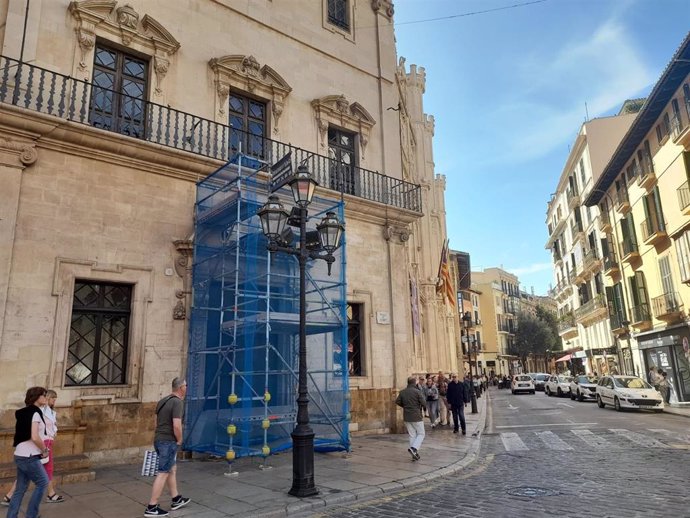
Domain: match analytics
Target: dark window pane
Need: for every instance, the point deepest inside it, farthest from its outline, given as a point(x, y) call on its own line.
point(97, 352)
point(105, 58)
point(341, 149)
point(134, 68)
point(247, 118)
point(338, 13)
point(354, 339)
point(236, 104)
point(256, 110)
point(120, 108)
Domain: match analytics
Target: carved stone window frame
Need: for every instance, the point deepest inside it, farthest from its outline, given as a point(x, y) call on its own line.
point(120, 25)
point(348, 34)
point(336, 110)
point(245, 74)
point(65, 273)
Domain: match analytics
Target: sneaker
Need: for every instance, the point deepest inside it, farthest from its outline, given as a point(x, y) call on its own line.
point(464, 432)
point(5, 501)
point(179, 501)
point(55, 499)
point(416, 454)
point(155, 511)
point(411, 451)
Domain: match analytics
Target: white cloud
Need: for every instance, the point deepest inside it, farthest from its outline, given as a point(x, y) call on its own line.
point(529, 269)
point(549, 91)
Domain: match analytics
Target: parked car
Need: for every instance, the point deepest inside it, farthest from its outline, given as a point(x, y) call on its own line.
point(583, 387)
point(628, 392)
point(522, 383)
point(539, 379)
point(558, 385)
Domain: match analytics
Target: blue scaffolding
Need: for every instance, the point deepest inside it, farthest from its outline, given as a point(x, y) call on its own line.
point(244, 328)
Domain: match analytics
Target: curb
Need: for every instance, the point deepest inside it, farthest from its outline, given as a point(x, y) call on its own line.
point(367, 493)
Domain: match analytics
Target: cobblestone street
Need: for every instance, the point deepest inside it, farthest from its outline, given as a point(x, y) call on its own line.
point(566, 469)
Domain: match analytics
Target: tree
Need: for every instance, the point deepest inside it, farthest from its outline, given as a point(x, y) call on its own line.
point(533, 336)
point(551, 320)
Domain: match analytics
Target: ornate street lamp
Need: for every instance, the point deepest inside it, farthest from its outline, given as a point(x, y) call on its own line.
point(273, 219)
point(467, 324)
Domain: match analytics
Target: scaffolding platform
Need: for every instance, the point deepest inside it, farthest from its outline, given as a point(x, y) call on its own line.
point(244, 326)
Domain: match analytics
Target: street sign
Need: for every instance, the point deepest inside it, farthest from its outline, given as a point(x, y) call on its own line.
point(281, 172)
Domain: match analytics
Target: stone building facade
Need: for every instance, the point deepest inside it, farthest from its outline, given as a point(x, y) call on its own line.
point(111, 111)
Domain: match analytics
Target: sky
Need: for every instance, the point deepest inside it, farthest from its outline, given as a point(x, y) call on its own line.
point(509, 91)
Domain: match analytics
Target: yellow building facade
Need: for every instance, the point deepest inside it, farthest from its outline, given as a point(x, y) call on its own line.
point(643, 200)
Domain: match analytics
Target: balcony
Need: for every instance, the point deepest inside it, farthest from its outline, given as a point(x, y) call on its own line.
point(647, 178)
point(573, 197)
point(567, 327)
point(611, 264)
point(577, 231)
point(679, 129)
point(684, 198)
point(622, 201)
point(592, 310)
point(630, 251)
point(580, 274)
point(63, 97)
point(555, 232)
point(652, 232)
point(592, 261)
point(641, 317)
point(619, 323)
point(668, 307)
point(604, 223)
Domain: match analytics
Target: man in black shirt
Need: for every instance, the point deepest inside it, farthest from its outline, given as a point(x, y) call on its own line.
point(167, 440)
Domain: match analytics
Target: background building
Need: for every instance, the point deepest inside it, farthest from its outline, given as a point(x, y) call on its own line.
point(643, 199)
point(579, 251)
point(499, 299)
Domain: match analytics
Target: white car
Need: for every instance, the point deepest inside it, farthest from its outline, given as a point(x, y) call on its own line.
point(558, 385)
point(628, 392)
point(522, 383)
point(583, 387)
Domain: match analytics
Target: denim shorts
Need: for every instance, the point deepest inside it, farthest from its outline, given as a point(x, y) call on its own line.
point(167, 455)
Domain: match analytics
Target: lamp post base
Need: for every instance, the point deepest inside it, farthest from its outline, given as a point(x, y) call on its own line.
point(474, 403)
point(303, 464)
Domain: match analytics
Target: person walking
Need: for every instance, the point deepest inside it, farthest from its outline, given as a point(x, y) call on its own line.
point(30, 448)
point(457, 397)
point(166, 441)
point(444, 408)
point(665, 387)
point(431, 395)
point(50, 417)
point(412, 401)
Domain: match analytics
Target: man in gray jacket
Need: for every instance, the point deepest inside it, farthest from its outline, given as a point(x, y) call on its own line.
point(412, 401)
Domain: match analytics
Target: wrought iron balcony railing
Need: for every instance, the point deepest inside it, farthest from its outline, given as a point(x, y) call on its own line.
point(618, 321)
point(50, 93)
point(590, 307)
point(629, 247)
point(666, 304)
point(622, 198)
point(640, 313)
point(610, 261)
point(566, 322)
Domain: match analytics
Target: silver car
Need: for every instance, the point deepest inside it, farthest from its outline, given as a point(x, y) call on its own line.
point(584, 387)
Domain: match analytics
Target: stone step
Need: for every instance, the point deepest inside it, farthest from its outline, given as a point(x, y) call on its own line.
point(63, 464)
point(60, 478)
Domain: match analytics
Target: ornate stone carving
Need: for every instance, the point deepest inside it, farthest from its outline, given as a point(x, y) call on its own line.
point(384, 7)
point(246, 73)
point(179, 311)
point(336, 109)
point(160, 67)
point(403, 233)
point(95, 17)
point(26, 153)
point(185, 250)
point(128, 20)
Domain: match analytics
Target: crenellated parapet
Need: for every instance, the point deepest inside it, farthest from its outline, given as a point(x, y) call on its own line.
point(417, 77)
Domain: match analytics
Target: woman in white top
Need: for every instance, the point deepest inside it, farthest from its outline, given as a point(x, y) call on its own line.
point(50, 418)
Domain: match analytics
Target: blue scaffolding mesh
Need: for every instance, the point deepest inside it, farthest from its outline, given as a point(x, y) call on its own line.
point(244, 329)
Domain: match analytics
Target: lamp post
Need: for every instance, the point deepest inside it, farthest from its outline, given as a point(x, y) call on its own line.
point(467, 324)
point(273, 220)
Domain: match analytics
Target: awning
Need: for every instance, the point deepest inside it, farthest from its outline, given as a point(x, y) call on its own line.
point(564, 358)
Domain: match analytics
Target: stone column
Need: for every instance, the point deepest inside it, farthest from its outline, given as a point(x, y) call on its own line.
point(15, 157)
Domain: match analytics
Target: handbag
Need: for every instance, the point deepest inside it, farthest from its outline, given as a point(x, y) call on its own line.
point(149, 468)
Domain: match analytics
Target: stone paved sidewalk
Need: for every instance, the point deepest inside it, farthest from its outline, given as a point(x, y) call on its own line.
point(378, 464)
